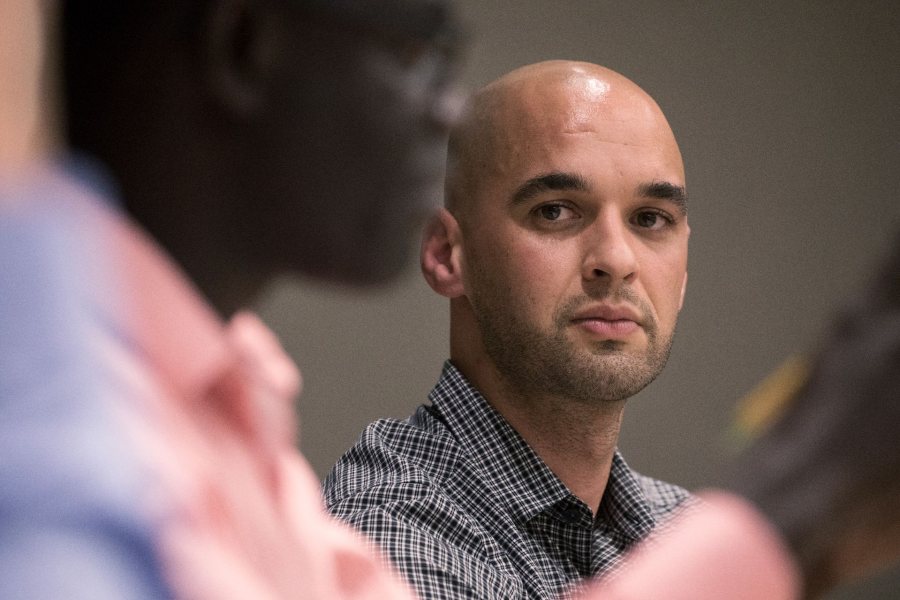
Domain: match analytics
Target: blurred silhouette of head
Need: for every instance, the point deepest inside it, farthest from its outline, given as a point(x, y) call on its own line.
point(255, 137)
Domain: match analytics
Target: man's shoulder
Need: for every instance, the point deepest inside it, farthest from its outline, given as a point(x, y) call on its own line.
point(410, 488)
point(392, 455)
point(662, 497)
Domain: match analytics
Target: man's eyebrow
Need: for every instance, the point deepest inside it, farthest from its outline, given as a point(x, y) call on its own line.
point(555, 181)
point(665, 190)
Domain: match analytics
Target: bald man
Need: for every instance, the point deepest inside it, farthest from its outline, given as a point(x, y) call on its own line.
point(563, 250)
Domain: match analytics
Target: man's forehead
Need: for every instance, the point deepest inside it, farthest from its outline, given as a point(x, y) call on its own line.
point(530, 138)
point(563, 116)
point(574, 102)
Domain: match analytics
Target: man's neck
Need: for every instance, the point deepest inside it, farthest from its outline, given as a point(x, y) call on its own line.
point(576, 441)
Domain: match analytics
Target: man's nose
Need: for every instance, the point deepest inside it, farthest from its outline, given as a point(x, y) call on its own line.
point(609, 250)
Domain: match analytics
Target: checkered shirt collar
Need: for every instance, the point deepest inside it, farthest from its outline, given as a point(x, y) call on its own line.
point(522, 480)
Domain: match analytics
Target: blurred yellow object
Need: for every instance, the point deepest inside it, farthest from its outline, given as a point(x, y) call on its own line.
point(767, 401)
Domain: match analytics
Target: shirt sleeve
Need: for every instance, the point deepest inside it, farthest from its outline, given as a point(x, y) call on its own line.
point(722, 548)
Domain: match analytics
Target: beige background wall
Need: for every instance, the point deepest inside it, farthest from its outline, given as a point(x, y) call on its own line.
point(787, 116)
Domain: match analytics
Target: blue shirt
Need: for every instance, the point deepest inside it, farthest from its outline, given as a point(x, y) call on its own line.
point(69, 484)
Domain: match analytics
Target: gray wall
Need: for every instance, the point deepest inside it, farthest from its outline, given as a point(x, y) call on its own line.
point(787, 116)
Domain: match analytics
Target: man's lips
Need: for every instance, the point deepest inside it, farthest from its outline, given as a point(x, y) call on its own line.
point(619, 328)
point(608, 322)
point(608, 312)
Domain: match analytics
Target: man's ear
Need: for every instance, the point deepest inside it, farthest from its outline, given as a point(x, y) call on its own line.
point(441, 255)
point(239, 48)
point(684, 281)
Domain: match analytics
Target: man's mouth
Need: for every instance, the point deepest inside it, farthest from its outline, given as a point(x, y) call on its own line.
point(608, 321)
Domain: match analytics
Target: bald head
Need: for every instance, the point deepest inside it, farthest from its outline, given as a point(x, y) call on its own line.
point(566, 203)
point(530, 111)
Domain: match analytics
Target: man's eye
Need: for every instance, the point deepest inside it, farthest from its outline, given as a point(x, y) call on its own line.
point(554, 212)
point(652, 219)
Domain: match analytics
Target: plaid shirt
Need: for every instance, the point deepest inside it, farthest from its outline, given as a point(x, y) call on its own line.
point(465, 509)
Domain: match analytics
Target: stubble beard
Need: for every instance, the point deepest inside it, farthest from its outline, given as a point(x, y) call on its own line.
point(534, 362)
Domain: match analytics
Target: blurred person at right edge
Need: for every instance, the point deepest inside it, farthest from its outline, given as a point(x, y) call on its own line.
point(813, 501)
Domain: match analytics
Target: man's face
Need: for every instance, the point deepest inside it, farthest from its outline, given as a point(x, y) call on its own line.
point(363, 131)
point(575, 246)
